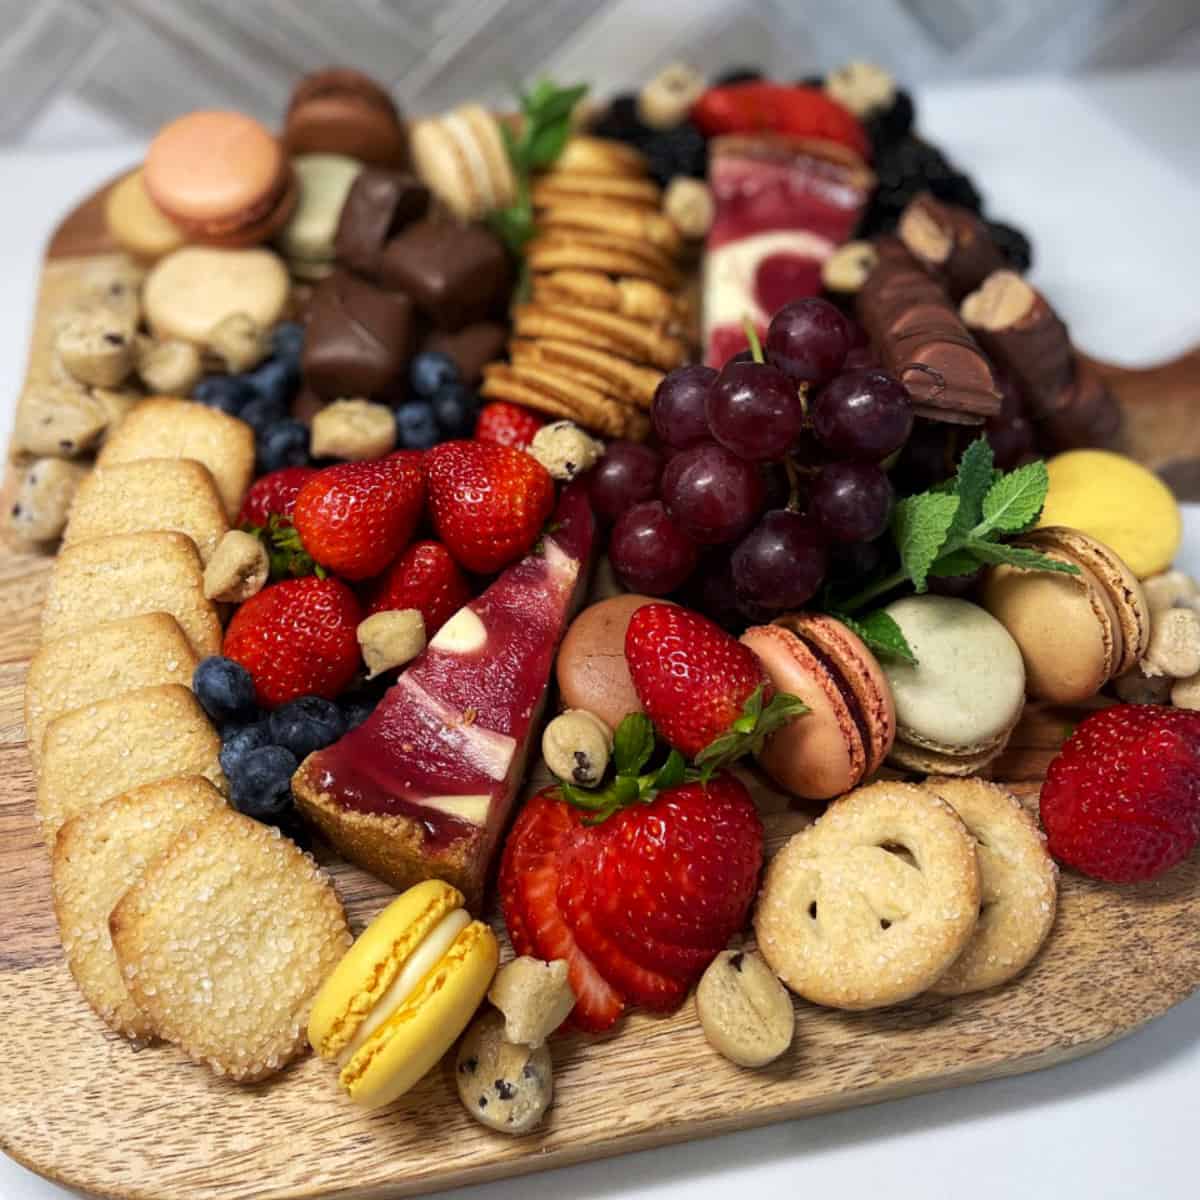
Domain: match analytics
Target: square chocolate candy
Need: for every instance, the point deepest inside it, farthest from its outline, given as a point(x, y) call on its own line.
point(379, 205)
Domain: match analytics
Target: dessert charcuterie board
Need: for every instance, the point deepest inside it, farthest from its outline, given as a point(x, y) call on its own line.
point(98, 1115)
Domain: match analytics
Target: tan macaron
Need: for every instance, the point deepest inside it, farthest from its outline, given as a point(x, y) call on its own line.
point(1076, 632)
point(461, 158)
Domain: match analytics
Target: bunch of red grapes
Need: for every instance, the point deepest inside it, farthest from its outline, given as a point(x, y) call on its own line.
point(766, 469)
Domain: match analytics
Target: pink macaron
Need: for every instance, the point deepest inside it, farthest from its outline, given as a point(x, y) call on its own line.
point(851, 720)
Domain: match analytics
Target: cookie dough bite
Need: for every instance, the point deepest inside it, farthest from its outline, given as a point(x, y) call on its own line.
point(535, 998)
point(403, 994)
point(503, 1085)
point(1075, 632)
point(745, 1012)
point(43, 498)
point(957, 707)
point(136, 223)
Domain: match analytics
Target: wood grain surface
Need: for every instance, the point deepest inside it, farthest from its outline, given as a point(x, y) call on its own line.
point(84, 1107)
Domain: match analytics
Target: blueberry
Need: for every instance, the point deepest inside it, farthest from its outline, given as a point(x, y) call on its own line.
point(355, 712)
point(238, 740)
point(430, 372)
point(229, 393)
point(307, 724)
point(455, 407)
point(283, 444)
point(277, 378)
point(287, 339)
point(261, 783)
point(262, 411)
point(416, 426)
point(225, 689)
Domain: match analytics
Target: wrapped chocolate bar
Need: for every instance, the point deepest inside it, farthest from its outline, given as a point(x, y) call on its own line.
point(951, 242)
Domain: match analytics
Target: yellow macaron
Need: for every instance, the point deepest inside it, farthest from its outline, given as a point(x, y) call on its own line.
point(1119, 502)
point(404, 992)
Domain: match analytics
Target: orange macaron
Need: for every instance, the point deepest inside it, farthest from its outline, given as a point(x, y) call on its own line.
point(851, 720)
point(222, 177)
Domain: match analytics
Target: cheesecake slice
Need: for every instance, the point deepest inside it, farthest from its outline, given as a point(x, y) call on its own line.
point(423, 788)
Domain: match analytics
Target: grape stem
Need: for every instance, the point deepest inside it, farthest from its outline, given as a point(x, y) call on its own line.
point(878, 588)
point(756, 350)
point(793, 475)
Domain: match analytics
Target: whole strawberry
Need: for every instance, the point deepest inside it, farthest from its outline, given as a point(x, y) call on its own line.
point(274, 494)
point(424, 577)
point(507, 424)
point(355, 518)
point(489, 502)
point(297, 638)
point(706, 693)
point(1121, 801)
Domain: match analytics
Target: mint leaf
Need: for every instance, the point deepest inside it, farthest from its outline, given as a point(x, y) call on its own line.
point(1015, 501)
point(881, 634)
point(546, 144)
point(956, 562)
point(972, 483)
point(1019, 556)
point(633, 744)
point(920, 525)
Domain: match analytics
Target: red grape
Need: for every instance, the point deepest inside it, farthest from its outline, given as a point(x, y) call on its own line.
point(780, 563)
point(754, 410)
point(808, 340)
point(711, 493)
point(862, 414)
point(678, 409)
point(852, 501)
point(1010, 440)
point(626, 475)
point(649, 552)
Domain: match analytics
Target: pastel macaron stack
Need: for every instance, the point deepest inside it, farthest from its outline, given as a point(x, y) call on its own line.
point(136, 223)
point(461, 158)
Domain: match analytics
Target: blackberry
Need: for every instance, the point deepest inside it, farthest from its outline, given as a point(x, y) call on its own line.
point(621, 122)
point(679, 151)
point(889, 126)
point(736, 75)
point(1013, 244)
point(907, 168)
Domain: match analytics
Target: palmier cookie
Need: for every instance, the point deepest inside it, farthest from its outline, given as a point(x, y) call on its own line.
point(555, 393)
point(613, 375)
point(601, 330)
point(1019, 882)
point(872, 904)
point(639, 298)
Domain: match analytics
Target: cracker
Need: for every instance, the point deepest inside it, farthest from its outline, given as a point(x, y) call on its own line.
point(579, 252)
point(599, 156)
point(601, 330)
point(638, 298)
point(616, 376)
point(127, 574)
point(224, 942)
point(615, 218)
point(98, 856)
point(102, 661)
point(1019, 882)
point(547, 390)
point(163, 427)
point(99, 751)
point(150, 494)
point(559, 186)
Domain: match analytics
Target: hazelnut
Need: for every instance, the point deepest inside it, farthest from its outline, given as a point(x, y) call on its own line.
point(576, 746)
point(170, 368)
point(688, 205)
point(862, 87)
point(849, 267)
point(1135, 688)
point(238, 568)
point(239, 342)
point(1174, 647)
point(535, 998)
point(668, 98)
point(391, 639)
point(1185, 693)
point(43, 499)
point(353, 429)
point(565, 450)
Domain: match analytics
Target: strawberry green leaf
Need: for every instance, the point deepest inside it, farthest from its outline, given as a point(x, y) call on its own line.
point(1015, 501)
point(633, 744)
point(747, 732)
point(921, 525)
point(672, 773)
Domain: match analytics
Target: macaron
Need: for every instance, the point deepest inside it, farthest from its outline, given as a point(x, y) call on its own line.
point(1117, 501)
point(956, 708)
point(403, 993)
point(851, 720)
point(221, 177)
point(342, 111)
point(1075, 632)
point(323, 182)
point(461, 158)
point(136, 223)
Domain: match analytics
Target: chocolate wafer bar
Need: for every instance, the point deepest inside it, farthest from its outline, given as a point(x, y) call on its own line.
point(949, 241)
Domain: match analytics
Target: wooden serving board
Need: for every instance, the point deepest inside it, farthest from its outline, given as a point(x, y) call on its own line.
point(84, 1107)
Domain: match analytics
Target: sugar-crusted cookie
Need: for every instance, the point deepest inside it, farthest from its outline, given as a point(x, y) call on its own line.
point(1019, 882)
point(224, 942)
point(98, 856)
point(870, 905)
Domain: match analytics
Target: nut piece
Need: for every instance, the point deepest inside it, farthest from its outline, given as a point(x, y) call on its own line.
point(862, 87)
point(239, 342)
point(534, 997)
point(58, 420)
point(576, 746)
point(1185, 693)
point(503, 1086)
point(848, 267)
point(745, 1012)
point(668, 98)
point(1168, 590)
point(1135, 688)
point(238, 568)
point(353, 429)
point(565, 450)
point(43, 500)
point(170, 368)
point(688, 205)
point(390, 639)
point(97, 348)
point(1174, 647)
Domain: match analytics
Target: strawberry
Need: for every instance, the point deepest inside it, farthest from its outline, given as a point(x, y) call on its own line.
point(297, 638)
point(489, 502)
point(706, 693)
point(355, 518)
point(1121, 801)
point(424, 577)
point(507, 424)
point(273, 494)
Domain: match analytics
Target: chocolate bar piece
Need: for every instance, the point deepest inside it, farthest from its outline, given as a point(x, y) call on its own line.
point(950, 242)
point(471, 348)
point(379, 205)
point(359, 337)
point(918, 335)
point(457, 274)
point(1087, 413)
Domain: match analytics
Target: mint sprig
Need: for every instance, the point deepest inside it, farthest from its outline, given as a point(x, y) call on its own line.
point(880, 634)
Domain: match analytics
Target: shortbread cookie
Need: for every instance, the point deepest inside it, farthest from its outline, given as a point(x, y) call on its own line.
point(162, 427)
point(43, 498)
point(1019, 883)
point(870, 905)
point(93, 753)
point(600, 330)
point(102, 661)
point(58, 420)
point(615, 218)
point(99, 855)
point(616, 376)
point(149, 494)
point(575, 251)
point(224, 942)
point(745, 1012)
point(559, 186)
point(128, 574)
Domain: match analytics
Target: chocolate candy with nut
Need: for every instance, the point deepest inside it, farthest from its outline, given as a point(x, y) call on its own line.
point(950, 242)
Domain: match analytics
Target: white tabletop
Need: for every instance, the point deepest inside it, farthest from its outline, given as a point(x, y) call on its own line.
point(1106, 176)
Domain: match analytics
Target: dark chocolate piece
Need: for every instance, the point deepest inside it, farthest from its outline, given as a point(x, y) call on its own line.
point(379, 205)
point(471, 348)
point(949, 241)
point(359, 337)
point(457, 274)
point(306, 404)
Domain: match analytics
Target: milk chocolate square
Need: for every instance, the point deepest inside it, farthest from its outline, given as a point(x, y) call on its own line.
point(471, 348)
point(379, 205)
